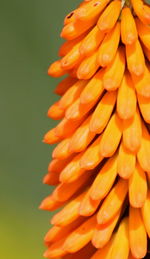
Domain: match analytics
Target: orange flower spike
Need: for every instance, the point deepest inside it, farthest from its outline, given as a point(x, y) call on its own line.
point(75, 29)
point(144, 33)
point(104, 180)
point(103, 233)
point(137, 234)
point(109, 46)
point(135, 58)
point(103, 112)
point(132, 133)
point(69, 213)
point(50, 137)
point(81, 236)
point(56, 70)
point(65, 191)
point(61, 151)
point(137, 187)
point(88, 67)
point(91, 157)
point(55, 112)
point(126, 99)
point(144, 104)
point(126, 162)
point(106, 251)
point(146, 213)
point(73, 170)
point(91, 10)
point(142, 83)
point(64, 85)
point(88, 206)
point(128, 27)
point(67, 127)
point(91, 41)
point(82, 137)
point(110, 16)
point(93, 89)
point(141, 10)
point(115, 71)
point(109, 142)
point(113, 202)
point(121, 247)
point(50, 204)
point(143, 154)
point(72, 94)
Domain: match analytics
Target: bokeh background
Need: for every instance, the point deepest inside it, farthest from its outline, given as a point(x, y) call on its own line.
point(29, 40)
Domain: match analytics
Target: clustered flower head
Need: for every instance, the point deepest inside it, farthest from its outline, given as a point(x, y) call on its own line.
point(101, 163)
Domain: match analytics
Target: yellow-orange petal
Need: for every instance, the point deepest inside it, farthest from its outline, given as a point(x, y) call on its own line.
point(113, 202)
point(50, 137)
point(82, 137)
point(141, 10)
point(109, 46)
point(72, 171)
point(88, 206)
point(135, 58)
point(55, 112)
point(142, 83)
point(114, 72)
point(104, 180)
point(121, 246)
point(81, 236)
point(72, 94)
point(93, 89)
point(110, 16)
point(144, 33)
point(64, 191)
point(137, 234)
point(91, 157)
point(103, 233)
point(91, 10)
point(144, 104)
point(143, 154)
point(88, 67)
point(109, 142)
point(64, 85)
point(146, 213)
point(50, 204)
point(103, 111)
point(132, 133)
point(128, 27)
point(61, 151)
point(91, 41)
point(56, 69)
point(137, 187)
point(126, 162)
point(69, 213)
point(126, 99)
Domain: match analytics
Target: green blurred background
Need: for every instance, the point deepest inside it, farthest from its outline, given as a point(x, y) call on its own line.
point(29, 39)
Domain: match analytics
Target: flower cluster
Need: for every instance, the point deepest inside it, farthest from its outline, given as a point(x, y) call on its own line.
point(101, 163)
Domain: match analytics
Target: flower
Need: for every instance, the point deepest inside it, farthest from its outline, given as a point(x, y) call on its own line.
point(101, 164)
